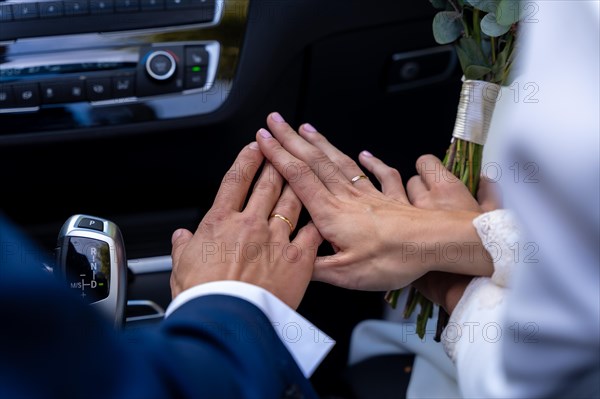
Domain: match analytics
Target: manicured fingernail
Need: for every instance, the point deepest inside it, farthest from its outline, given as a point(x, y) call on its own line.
point(253, 146)
point(367, 154)
point(176, 235)
point(277, 117)
point(264, 134)
point(309, 128)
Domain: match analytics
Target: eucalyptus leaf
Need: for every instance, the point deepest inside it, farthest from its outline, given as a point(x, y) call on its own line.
point(469, 53)
point(476, 72)
point(489, 6)
point(485, 5)
point(509, 12)
point(502, 57)
point(490, 27)
point(439, 4)
point(447, 27)
point(486, 47)
point(473, 3)
point(497, 73)
point(503, 60)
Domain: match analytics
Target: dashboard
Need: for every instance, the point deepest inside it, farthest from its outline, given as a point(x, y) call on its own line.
point(133, 110)
point(82, 63)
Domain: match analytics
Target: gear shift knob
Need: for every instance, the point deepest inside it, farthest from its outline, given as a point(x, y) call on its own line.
point(91, 258)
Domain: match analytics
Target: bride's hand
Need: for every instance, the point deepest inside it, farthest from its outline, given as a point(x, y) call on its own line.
point(436, 188)
point(382, 241)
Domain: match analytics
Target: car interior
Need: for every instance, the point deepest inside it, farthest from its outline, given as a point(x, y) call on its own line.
point(133, 110)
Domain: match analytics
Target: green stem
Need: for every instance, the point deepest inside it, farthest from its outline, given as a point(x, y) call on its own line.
point(493, 45)
point(411, 302)
point(450, 155)
point(424, 315)
point(455, 6)
point(460, 11)
point(476, 26)
point(443, 318)
point(465, 157)
point(509, 59)
point(391, 297)
point(470, 163)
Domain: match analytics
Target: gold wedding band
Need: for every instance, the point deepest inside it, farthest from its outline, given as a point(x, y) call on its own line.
point(357, 178)
point(288, 221)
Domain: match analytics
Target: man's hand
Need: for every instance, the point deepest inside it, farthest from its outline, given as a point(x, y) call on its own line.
point(248, 244)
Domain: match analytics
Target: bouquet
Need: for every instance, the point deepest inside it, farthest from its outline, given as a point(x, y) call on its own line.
point(484, 35)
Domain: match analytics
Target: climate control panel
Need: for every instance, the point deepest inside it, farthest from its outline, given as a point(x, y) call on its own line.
point(34, 18)
point(123, 75)
point(86, 68)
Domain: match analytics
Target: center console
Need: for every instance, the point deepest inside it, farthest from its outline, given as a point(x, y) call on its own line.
point(77, 64)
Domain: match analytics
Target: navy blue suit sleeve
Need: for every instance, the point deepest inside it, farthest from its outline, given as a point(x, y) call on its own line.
point(226, 347)
point(52, 345)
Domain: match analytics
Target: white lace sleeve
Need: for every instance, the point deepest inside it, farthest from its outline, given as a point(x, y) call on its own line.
point(500, 235)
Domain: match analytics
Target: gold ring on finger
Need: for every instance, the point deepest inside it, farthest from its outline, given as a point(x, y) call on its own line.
point(357, 178)
point(288, 221)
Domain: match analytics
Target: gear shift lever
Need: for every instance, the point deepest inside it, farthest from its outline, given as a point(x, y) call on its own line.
point(91, 258)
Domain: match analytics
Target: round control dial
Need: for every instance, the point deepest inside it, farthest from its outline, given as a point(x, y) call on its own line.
point(161, 65)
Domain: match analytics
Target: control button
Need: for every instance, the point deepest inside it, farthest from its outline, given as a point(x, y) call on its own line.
point(62, 92)
point(76, 7)
point(123, 86)
point(101, 6)
point(25, 10)
point(73, 91)
point(50, 93)
point(152, 5)
point(98, 89)
point(7, 99)
point(127, 5)
point(196, 55)
point(6, 13)
point(92, 224)
point(178, 4)
point(27, 95)
point(51, 9)
point(195, 77)
point(161, 65)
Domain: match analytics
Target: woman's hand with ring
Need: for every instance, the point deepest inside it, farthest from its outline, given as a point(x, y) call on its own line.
point(382, 241)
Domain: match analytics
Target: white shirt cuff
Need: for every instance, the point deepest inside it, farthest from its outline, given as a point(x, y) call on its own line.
point(307, 344)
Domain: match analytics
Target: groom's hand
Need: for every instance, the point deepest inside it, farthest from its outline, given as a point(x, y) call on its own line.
point(247, 243)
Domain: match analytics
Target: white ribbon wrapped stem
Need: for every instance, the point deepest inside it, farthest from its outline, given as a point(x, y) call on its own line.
point(475, 109)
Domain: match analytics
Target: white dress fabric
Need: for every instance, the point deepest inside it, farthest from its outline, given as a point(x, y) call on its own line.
point(550, 317)
point(433, 373)
point(533, 328)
